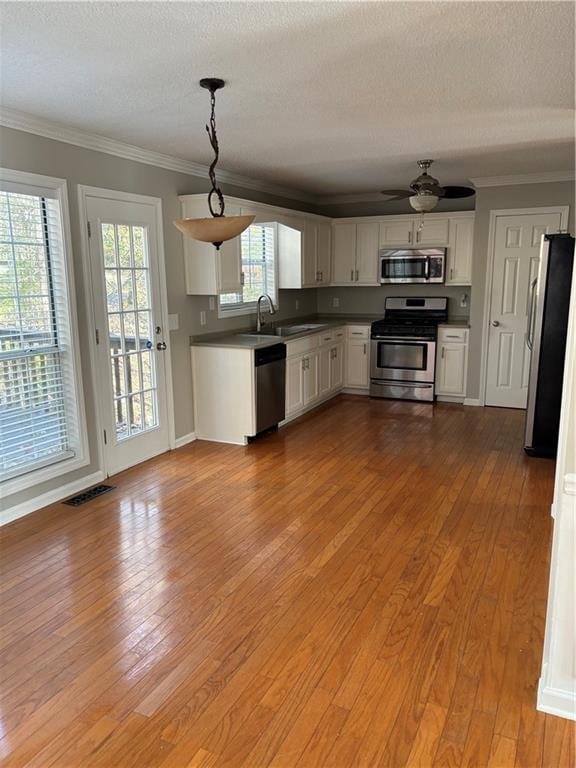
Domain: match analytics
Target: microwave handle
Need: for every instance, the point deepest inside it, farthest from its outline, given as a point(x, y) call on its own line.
point(427, 275)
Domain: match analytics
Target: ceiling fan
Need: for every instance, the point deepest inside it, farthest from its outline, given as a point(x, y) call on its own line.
point(425, 191)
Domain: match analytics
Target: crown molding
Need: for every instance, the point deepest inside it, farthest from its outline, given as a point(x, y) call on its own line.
point(523, 178)
point(22, 121)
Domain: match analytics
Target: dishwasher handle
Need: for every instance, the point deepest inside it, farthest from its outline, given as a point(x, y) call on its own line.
point(271, 354)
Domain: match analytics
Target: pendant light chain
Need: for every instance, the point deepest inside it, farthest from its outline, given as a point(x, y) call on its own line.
point(211, 130)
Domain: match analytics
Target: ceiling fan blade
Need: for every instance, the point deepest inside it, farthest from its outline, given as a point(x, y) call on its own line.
point(397, 194)
point(453, 192)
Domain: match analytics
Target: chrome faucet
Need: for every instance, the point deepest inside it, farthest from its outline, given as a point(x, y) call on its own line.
point(259, 310)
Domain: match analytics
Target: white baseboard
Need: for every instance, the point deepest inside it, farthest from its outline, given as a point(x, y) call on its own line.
point(26, 507)
point(184, 440)
point(554, 701)
point(475, 401)
point(449, 399)
point(354, 391)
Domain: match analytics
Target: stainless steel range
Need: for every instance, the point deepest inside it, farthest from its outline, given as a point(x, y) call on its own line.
point(403, 348)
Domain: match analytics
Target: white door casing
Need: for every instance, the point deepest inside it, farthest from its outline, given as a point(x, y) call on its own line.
point(516, 247)
point(130, 340)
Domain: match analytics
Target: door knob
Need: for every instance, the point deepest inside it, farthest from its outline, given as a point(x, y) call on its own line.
point(161, 345)
point(495, 323)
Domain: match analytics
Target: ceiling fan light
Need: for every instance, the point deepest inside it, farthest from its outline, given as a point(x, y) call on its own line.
point(214, 230)
point(424, 202)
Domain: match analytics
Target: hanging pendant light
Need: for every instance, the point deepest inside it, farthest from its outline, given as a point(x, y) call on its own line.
point(219, 228)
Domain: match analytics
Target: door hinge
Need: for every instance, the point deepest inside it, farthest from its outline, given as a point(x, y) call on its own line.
point(97, 332)
point(105, 437)
point(89, 226)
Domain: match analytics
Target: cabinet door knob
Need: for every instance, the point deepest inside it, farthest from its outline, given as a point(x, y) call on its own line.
point(161, 345)
point(495, 323)
point(352, 275)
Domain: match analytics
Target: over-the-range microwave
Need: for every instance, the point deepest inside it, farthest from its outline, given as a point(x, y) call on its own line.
point(403, 265)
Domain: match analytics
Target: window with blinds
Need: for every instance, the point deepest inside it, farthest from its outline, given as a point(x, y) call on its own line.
point(38, 412)
point(258, 250)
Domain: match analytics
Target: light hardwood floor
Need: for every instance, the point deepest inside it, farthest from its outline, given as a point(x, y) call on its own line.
point(367, 587)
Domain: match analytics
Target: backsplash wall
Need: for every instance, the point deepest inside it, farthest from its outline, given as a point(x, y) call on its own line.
point(370, 300)
point(287, 309)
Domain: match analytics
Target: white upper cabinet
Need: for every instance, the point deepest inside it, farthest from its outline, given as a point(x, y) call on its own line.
point(355, 253)
point(210, 271)
point(323, 253)
point(303, 252)
point(367, 253)
point(397, 232)
point(433, 232)
point(459, 262)
point(344, 253)
point(309, 265)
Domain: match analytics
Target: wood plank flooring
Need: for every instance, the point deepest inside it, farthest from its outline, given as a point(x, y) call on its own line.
point(367, 587)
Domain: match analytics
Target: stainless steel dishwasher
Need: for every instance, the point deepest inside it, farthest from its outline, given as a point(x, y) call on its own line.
point(270, 364)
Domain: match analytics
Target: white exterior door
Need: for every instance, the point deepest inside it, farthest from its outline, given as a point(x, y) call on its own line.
point(517, 241)
point(131, 340)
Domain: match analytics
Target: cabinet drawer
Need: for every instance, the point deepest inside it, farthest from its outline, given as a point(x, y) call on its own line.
point(300, 346)
point(358, 331)
point(326, 337)
point(339, 334)
point(453, 334)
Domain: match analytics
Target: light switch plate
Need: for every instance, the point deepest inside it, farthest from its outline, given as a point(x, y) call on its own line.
point(202, 317)
point(335, 302)
point(297, 304)
point(212, 302)
point(173, 322)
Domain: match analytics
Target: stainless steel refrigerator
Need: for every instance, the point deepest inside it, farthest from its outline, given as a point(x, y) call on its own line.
point(546, 339)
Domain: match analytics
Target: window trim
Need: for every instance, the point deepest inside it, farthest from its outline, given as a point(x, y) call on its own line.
point(37, 184)
point(249, 308)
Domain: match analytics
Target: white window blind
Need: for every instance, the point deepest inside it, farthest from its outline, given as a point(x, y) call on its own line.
point(258, 250)
point(38, 412)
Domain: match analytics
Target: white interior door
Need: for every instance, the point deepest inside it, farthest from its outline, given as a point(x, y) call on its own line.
point(130, 337)
point(515, 267)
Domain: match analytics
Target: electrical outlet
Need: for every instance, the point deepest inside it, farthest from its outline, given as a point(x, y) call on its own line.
point(202, 317)
point(297, 304)
point(212, 302)
point(335, 302)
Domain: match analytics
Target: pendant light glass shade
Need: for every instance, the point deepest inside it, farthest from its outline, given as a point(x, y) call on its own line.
point(219, 228)
point(424, 202)
point(215, 230)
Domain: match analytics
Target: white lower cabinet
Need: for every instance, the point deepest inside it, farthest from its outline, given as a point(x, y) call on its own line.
point(314, 369)
point(357, 371)
point(452, 362)
point(325, 371)
point(336, 367)
point(310, 377)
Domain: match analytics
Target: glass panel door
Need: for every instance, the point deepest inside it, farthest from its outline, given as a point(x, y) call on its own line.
point(131, 345)
point(130, 336)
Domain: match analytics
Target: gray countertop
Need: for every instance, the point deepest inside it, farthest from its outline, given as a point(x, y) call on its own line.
point(245, 339)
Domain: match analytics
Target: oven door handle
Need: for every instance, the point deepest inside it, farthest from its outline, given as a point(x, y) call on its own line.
point(402, 338)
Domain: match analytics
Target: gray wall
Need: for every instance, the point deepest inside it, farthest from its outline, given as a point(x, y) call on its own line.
point(390, 208)
point(26, 152)
point(496, 198)
point(370, 301)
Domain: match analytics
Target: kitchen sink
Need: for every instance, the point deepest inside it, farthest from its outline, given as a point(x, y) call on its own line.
point(287, 330)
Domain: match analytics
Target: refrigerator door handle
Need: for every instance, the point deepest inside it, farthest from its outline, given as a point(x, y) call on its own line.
point(530, 327)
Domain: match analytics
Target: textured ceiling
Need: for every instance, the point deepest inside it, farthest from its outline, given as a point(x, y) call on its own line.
point(331, 97)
